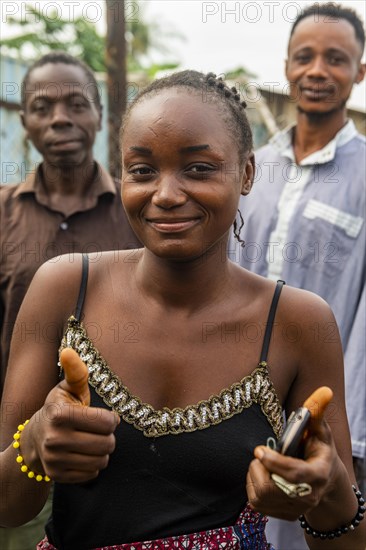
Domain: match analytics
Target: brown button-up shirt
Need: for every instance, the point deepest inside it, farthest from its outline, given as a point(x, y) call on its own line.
point(32, 232)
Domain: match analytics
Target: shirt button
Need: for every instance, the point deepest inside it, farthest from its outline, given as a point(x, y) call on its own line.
point(64, 225)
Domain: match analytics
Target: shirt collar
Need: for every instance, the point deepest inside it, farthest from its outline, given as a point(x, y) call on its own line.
point(282, 141)
point(102, 184)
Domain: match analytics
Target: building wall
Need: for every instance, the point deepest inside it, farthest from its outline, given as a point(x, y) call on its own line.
point(284, 111)
point(267, 113)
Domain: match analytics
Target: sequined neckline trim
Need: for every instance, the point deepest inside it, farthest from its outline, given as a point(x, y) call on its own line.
point(254, 388)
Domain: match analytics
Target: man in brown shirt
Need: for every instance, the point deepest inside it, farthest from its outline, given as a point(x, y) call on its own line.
point(69, 204)
point(33, 230)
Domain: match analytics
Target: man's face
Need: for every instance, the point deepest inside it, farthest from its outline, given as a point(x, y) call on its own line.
point(323, 64)
point(61, 116)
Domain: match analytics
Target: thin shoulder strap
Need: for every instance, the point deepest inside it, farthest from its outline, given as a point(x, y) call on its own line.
point(271, 316)
point(83, 285)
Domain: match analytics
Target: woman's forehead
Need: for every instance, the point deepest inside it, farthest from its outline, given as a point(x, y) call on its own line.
point(177, 108)
point(168, 97)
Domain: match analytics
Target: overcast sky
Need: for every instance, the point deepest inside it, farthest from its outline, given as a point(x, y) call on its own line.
point(223, 35)
point(219, 35)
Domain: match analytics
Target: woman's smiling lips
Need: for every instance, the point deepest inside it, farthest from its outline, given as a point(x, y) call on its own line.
point(173, 225)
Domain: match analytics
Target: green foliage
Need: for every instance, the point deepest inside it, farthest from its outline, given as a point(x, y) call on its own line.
point(156, 67)
point(239, 72)
point(80, 38)
point(91, 44)
point(54, 33)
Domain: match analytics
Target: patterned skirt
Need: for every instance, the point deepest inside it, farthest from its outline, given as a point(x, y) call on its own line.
point(247, 534)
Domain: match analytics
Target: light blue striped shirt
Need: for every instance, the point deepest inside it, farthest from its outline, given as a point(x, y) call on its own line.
point(305, 223)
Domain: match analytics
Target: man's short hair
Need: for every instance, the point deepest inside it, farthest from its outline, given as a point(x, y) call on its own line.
point(59, 56)
point(334, 11)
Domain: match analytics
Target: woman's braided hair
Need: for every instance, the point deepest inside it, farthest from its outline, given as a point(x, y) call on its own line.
point(214, 90)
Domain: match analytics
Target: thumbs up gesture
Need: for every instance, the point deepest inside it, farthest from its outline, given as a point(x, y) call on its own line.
point(71, 440)
point(75, 383)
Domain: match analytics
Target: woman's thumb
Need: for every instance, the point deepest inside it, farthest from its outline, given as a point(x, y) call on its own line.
point(317, 403)
point(76, 375)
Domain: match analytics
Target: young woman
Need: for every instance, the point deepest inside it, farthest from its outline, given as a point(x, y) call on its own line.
point(191, 360)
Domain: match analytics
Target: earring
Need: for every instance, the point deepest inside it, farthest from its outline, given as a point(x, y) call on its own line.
point(236, 229)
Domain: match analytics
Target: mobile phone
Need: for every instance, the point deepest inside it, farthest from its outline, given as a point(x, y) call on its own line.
point(290, 442)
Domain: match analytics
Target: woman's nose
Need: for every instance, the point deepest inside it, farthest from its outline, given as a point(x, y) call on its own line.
point(169, 193)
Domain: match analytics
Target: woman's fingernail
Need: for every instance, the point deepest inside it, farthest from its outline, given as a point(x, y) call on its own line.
point(258, 453)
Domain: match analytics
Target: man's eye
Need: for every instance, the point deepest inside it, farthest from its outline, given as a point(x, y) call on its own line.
point(78, 104)
point(302, 59)
point(39, 107)
point(335, 60)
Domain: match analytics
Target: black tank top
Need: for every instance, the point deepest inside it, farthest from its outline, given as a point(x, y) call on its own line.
point(172, 472)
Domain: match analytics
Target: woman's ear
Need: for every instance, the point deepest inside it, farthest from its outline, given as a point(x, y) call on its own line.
point(248, 175)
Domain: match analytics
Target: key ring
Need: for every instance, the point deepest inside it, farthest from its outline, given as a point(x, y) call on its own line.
point(292, 490)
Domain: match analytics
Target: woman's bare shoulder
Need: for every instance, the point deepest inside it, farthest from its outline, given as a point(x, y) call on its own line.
point(303, 305)
point(294, 303)
point(65, 272)
point(57, 283)
point(60, 279)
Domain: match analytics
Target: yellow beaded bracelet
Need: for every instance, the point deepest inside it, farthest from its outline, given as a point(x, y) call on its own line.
point(20, 460)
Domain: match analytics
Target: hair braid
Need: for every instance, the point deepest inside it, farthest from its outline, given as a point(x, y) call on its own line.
point(213, 89)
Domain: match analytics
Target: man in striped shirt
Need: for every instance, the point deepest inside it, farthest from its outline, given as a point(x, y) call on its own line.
point(305, 216)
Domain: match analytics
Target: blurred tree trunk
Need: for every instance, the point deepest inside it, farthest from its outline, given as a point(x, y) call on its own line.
point(116, 79)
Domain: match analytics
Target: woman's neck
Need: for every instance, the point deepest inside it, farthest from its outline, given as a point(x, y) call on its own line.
point(185, 285)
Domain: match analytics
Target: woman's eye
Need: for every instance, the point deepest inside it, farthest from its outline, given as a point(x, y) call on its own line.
point(140, 170)
point(200, 169)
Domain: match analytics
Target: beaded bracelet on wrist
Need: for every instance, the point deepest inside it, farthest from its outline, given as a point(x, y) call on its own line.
point(344, 529)
point(20, 460)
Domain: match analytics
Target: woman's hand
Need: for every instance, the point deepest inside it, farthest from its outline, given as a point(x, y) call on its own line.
point(67, 439)
point(318, 469)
